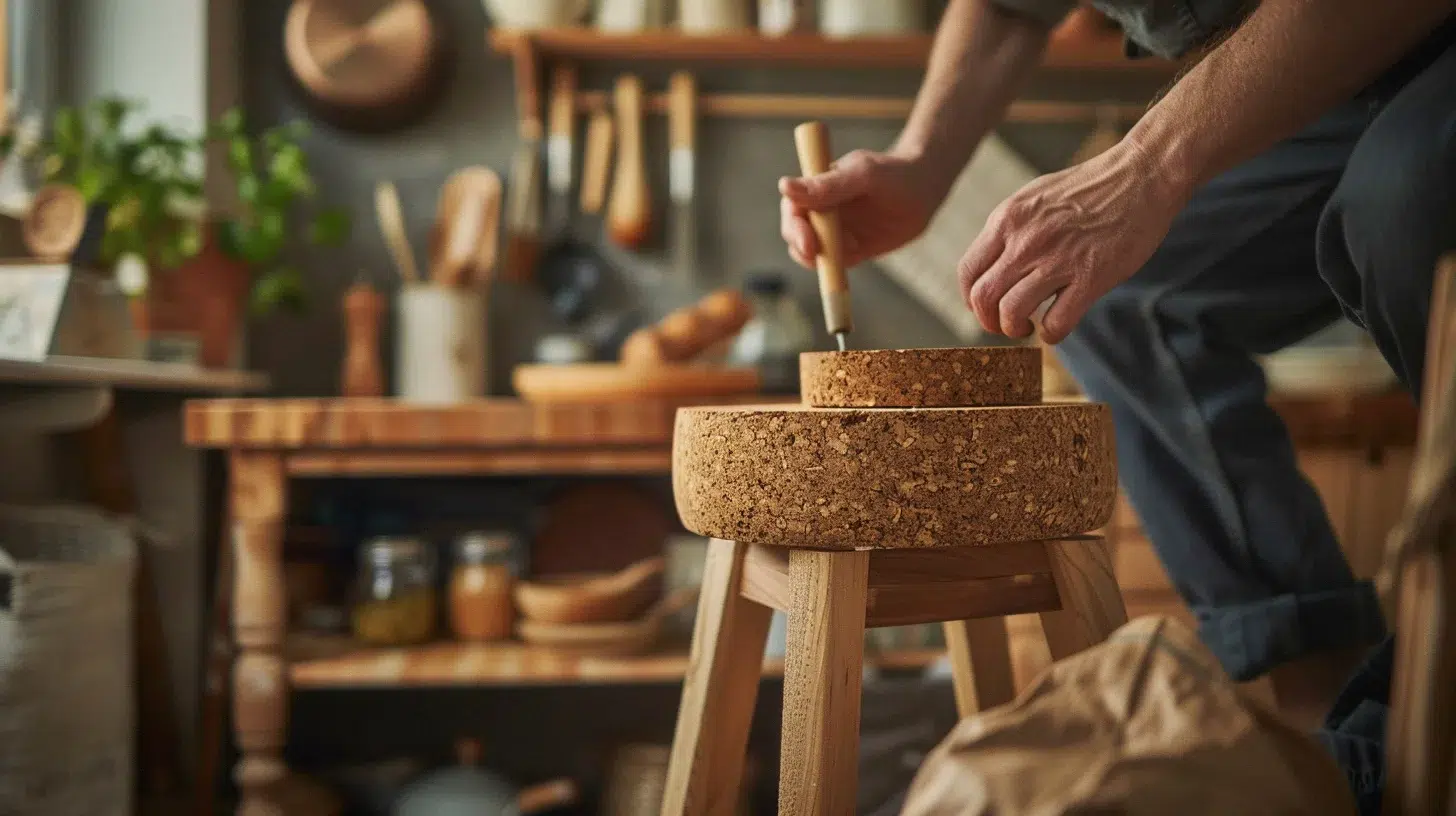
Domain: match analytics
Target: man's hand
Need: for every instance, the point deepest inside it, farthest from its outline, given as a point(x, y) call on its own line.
point(1075, 234)
point(884, 201)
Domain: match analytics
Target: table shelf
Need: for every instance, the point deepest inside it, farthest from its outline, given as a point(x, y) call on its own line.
point(322, 661)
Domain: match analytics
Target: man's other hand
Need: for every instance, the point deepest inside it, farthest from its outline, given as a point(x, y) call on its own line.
point(1075, 234)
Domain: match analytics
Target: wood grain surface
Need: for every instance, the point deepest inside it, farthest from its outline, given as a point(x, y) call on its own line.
point(319, 661)
point(297, 424)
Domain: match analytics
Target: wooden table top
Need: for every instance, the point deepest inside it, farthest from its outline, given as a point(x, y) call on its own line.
point(1362, 420)
point(351, 423)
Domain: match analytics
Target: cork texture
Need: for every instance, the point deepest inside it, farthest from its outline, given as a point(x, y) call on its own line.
point(922, 378)
point(881, 479)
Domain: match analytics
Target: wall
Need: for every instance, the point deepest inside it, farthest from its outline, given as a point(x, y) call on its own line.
point(154, 51)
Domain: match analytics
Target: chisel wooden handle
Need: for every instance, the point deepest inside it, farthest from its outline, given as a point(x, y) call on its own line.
point(560, 129)
point(596, 171)
point(812, 141)
point(629, 211)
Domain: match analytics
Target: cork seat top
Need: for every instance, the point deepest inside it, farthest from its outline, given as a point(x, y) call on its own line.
point(922, 378)
point(884, 478)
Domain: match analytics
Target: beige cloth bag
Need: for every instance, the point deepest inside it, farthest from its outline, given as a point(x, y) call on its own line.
point(1147, 724)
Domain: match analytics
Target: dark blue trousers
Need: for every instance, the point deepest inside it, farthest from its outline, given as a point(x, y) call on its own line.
point(1346, 219)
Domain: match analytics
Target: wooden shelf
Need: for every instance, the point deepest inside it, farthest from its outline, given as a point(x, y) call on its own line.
point(911, 51)
point(337, 662)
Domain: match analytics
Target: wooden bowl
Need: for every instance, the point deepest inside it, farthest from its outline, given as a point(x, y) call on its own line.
point(607, 639)
point(593, 598)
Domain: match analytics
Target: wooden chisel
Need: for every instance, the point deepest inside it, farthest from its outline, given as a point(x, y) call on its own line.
point(812, 141)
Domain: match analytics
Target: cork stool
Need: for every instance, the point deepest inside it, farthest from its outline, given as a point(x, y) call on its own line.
point(917, 486)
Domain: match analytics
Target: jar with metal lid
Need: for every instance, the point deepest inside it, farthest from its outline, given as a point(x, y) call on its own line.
point(395, 602)
point(481, 584)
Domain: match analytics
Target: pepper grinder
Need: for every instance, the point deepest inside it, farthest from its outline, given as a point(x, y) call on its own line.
point(362, 374)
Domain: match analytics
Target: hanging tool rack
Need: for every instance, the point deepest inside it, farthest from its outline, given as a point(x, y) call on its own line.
point(529, 49)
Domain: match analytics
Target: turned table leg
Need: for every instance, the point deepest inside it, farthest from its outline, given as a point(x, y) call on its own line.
point(259, 500)
point(824, 661)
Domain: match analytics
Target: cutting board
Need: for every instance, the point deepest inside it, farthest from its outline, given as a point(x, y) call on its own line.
point(613, 382)
point(926, 267)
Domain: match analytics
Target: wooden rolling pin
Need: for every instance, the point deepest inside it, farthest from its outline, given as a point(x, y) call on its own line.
point(812, 141)
point(687, 332)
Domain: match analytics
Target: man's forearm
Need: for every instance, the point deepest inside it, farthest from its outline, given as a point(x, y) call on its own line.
point(1291, 61)
point(981, 59)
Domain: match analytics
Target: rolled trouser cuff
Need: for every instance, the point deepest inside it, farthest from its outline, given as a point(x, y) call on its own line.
point(1251, 638)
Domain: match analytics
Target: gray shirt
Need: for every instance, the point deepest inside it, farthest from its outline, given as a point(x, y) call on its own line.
point(1168, 28)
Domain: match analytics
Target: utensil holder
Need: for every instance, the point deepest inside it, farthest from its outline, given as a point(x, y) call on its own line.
point(441, 344)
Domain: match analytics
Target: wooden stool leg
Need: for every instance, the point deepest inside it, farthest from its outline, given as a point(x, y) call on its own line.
point(980, 662)
point(819, 767)
point(725, 665)
point(1091, 601)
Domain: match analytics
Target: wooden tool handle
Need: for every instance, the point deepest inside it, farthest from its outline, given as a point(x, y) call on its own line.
point(488, 252)
point(563, 100)
point(528, 101)
point(682, 93)
point(812, 141)
point(561, 127)
point(596, 168)
point(460, 241)
point(630, 211)
point(391, 223)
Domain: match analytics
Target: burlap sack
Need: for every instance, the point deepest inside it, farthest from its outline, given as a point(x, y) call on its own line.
point(1145, 724)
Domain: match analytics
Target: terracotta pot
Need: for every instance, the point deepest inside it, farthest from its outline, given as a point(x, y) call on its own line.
point(204, 297)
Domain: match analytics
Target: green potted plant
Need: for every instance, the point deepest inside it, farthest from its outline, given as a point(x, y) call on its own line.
point(273, 183)
point(188, 271)
point(146, 183)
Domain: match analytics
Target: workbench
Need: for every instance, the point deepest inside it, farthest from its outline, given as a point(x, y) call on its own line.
point(270, 442)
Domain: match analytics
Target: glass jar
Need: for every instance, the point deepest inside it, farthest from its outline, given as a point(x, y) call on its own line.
point(480, 586)
point(773, 338)
point(395, 602)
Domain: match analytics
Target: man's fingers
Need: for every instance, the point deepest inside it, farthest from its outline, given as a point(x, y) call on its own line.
point(991, 287)
point(796, 231)
point(1064, 314)
point(848, 178)
point(983, 252)
point(1019, 307)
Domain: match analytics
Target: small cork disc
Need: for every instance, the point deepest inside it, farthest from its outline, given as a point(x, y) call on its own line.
point(881, 479)
point(922, 378)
